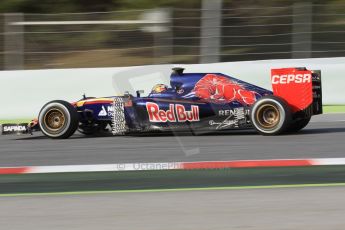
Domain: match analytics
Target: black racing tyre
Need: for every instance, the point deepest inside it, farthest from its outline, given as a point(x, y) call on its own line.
point(94, 130)
point(87, 132)
point(299, 124)
point(58, 119)
point(270, 115)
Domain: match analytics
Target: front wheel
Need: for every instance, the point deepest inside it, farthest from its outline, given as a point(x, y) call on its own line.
point(58, 119)
point(270, 115)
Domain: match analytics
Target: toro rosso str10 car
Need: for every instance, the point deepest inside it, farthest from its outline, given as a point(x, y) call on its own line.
point(193, 101)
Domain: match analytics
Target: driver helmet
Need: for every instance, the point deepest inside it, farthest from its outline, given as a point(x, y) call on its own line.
point(159, 88)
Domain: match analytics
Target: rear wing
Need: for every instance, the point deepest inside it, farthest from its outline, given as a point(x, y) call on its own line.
point(301, 88)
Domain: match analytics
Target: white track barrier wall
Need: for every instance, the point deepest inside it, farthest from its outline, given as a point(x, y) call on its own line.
point(23, 93)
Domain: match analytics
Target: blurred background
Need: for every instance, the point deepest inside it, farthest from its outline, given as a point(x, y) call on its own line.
point(39, 34)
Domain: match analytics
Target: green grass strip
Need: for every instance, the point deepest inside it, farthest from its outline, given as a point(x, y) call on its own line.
point(15, 121)
point(176, 190)
point(334, 109)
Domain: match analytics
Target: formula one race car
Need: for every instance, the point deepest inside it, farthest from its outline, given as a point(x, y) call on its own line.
point(194, 101)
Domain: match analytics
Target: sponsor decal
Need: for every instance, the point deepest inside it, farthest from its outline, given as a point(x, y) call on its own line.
point(14, 128)
point(103, 112)
point(294, 85)
point(17, 128)
point(175, 113)
point(289, 78)
point(235, 118)
point(233, 112)
point(106, 111)
point(110, 110)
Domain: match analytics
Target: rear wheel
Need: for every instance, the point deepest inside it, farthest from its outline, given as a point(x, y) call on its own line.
point(299, 124)
point(270, 115)
point(58, 119)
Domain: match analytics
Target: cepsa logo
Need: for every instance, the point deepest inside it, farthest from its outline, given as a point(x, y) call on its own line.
point(289, 78)
point(175, 113)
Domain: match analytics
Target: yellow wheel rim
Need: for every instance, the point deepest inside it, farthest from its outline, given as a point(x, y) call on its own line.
point(268, 116)
point(54, 119)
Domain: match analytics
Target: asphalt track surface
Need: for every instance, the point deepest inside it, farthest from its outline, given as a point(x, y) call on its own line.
point(316, 208)
point(324, 137)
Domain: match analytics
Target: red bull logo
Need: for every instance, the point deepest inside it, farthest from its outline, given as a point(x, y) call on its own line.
point(175, 113)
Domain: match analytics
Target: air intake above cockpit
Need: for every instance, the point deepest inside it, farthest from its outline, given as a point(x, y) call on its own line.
point(178, 70)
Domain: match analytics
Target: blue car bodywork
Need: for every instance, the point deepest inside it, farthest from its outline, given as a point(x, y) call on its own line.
point(169, 109)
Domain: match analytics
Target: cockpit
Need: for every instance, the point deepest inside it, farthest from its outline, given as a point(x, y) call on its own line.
point(181, 84)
